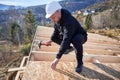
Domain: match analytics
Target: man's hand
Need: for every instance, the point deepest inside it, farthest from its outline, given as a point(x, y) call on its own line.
point(54, 63)
point(48, 43)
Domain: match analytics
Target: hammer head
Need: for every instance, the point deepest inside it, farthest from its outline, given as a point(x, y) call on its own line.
point(39, 44)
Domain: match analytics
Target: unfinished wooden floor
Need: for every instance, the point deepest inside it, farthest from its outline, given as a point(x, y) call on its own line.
point(96, 44)
point(97, 49)
point(40, 70)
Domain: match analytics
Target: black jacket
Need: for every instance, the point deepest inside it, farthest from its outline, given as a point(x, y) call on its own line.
point(67, 27)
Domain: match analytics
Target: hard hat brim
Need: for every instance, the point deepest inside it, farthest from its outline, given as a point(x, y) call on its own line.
point(48, 15)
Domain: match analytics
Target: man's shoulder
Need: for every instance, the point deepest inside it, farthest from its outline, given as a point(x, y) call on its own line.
point(67, 18)
point(65, 11)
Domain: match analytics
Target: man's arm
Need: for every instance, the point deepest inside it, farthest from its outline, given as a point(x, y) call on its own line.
point(54, 34)
point(54, 63)
point(69, 31)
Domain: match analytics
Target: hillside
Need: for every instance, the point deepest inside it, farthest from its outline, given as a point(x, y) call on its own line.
point(39, 11)
point(105, 15)
point(108, 4)
point(3, 7)
point(6, 7)
point(75, 5)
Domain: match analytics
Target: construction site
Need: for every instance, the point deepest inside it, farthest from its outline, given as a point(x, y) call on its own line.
point(101, 59)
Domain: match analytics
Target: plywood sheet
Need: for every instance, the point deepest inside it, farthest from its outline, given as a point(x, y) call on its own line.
point(40, 70)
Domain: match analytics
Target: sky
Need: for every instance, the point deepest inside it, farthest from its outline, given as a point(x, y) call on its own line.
point(25, 3)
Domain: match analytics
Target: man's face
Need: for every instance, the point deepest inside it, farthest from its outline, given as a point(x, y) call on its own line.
point(56, 17)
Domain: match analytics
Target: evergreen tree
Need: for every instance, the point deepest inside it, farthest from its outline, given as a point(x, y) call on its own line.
point(15, 32)
point(30, 26)
point(88, 22)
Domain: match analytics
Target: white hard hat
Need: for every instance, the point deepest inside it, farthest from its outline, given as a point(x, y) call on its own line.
point(51, 8)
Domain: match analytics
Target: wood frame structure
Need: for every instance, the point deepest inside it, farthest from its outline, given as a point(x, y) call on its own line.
point(40, 55)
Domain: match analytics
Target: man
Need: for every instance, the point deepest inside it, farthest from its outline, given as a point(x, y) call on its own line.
point(67, 30)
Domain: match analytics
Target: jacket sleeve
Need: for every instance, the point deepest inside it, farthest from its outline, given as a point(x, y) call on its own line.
point(55, 33)
point(69, 31)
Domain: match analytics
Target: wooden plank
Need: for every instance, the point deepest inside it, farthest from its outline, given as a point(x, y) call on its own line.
point(105, 47)
point(20, 70)
point(46, 56)
point(45, 36)
point(50, 48)
point(96, 61)
point(18, 75)
point(88, 45)
point(41, 70)
point(32, 44)
point(23, 61)
point(55, 48)
point(16, 69)
point(102, 45)
point(101, 51)
point(50, 56)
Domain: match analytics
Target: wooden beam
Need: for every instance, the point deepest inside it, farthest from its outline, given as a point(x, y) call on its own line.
point(20, 69)
point(23, 61)
point(45, 36)
point(41, 37)
point(95, 60)
point(16, 69)
point(32, 43)
point(47, 56)
point(18, 75)
point(55, 48)
point(45, 48)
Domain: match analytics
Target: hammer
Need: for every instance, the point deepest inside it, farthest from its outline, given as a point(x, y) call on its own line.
point(40, 43)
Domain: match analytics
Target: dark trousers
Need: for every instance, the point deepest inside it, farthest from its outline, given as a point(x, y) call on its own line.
point(77, 41)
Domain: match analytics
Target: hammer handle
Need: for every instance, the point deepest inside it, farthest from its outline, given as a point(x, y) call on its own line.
point(44, 44)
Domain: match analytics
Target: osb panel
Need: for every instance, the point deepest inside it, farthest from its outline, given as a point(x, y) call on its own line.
point(40, 70)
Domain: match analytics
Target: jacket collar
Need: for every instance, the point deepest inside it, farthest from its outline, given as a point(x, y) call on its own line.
point(64, 16)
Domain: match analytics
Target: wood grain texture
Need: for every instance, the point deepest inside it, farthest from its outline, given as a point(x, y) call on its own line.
point(40, 70)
